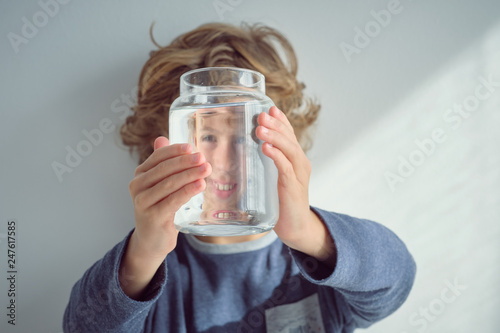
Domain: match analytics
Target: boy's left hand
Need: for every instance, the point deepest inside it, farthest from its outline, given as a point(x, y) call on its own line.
point(298, 227)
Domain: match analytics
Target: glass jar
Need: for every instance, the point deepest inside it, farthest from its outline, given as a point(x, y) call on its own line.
point(216, 113)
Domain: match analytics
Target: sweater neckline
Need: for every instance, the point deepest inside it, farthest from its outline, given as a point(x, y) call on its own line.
point(242, 247)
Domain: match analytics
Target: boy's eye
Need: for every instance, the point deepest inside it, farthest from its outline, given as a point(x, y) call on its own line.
point(209, 138)
point(239, 140)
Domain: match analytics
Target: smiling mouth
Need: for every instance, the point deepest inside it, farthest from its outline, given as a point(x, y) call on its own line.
point(224, 190)
point(224, 187)
point(224, 215)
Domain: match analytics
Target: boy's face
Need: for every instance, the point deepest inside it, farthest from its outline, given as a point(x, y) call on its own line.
point(220, 137)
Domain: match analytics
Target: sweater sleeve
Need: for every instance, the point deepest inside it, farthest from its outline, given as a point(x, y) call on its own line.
point(98, 303)
point(374, 271)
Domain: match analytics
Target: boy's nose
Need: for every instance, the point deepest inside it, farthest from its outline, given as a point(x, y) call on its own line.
point(225, 158)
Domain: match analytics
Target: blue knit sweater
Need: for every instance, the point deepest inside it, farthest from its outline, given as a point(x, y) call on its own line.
point(255, 286)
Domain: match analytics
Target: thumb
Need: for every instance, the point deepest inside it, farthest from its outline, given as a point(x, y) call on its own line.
point(160, 141)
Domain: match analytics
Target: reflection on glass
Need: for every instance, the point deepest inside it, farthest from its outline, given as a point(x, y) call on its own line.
point(220, 136)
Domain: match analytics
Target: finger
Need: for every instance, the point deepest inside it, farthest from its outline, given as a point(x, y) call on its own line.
point(166, 169)
point(286, 172)
point(175, 200)
point(280, 115)
point(276, 124)
point(160, 141)
point(279, 140)
point(162, 153)
point(290, 149)
point(169, 185)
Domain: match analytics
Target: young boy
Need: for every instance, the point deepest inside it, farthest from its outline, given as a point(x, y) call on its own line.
point(316, 271)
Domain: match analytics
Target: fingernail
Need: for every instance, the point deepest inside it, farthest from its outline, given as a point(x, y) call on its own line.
point(195, 157)
point(202, 167)
point(185, 147)
point(198, 184)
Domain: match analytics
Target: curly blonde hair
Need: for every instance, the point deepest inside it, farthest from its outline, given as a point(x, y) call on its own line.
point(216, 45)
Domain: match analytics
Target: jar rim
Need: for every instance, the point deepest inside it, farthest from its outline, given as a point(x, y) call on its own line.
point(257, 82)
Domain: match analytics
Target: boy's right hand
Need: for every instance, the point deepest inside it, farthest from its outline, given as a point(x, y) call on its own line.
point(162, 184)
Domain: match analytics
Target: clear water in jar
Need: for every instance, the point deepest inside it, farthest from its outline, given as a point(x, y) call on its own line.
point(241, 193)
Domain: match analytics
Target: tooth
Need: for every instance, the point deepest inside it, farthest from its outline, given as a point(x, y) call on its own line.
point(222, 187)
point(226, 215)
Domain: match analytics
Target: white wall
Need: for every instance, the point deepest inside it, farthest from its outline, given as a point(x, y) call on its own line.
point(431, 55)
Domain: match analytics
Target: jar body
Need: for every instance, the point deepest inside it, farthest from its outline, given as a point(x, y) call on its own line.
point(217, 114)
